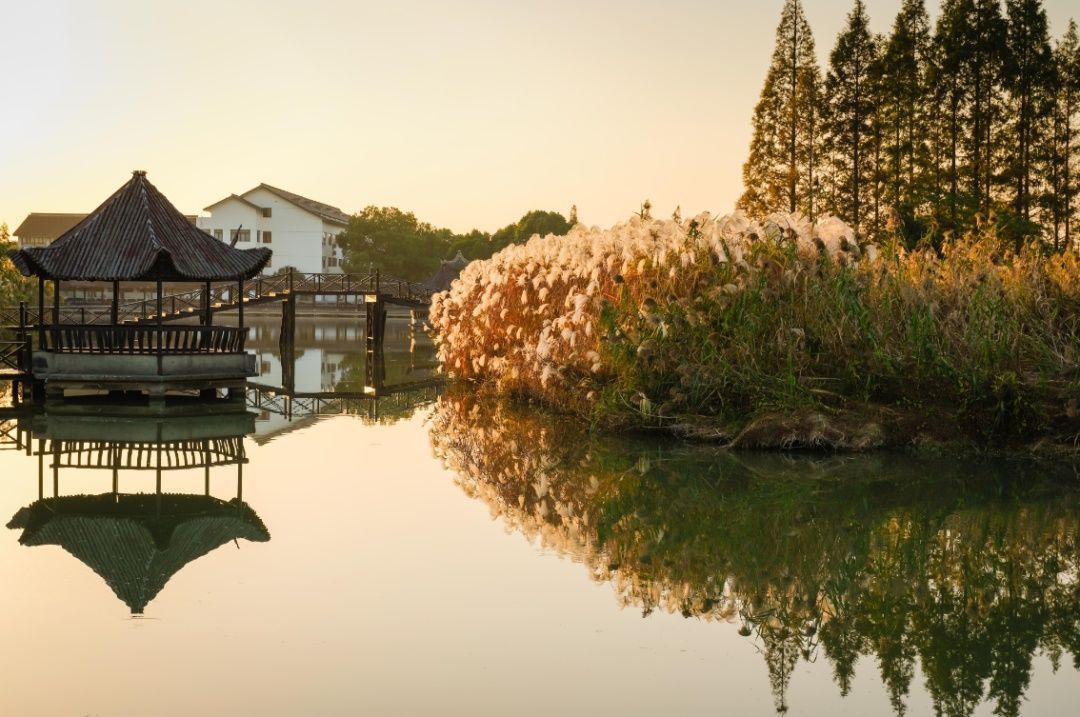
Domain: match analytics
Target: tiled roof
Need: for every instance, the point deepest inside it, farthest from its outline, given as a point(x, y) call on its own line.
point(137, 234)
point(49, 225)
point(323, 211)
point(446, 273)
point(238, 198)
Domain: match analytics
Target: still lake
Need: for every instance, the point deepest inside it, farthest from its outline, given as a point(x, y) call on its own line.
point(422, 553)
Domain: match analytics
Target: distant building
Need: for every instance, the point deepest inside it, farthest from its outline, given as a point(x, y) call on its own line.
point(302, 232)
point(41, 228)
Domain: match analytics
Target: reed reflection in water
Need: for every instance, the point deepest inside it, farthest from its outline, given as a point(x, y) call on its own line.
point(966, 569)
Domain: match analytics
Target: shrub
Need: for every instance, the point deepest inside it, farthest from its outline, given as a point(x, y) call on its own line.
point(728, 318)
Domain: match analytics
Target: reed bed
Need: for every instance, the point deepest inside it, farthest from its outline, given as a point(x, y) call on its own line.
point(656, 322)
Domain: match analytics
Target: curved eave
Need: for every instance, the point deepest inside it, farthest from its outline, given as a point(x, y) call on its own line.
point(34, 261)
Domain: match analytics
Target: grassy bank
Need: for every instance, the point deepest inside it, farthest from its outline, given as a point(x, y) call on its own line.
point(776, 332)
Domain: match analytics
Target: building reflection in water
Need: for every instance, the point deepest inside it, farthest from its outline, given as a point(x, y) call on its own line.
point(137, 542)
point(965, 569)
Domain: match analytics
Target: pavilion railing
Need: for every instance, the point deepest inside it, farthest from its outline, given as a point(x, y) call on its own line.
point(145, 339)
point(225, 295)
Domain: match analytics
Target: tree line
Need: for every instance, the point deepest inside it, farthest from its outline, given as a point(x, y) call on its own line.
point(401, 245)
point(929, 130)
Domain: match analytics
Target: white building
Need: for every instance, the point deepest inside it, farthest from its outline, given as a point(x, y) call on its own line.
point(302, 232)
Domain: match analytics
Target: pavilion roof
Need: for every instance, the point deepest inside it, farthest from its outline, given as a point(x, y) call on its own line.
point(138, 235)
point(446, 273)
point(136, 543)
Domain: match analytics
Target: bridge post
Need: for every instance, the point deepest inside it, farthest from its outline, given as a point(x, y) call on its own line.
point(287, 343)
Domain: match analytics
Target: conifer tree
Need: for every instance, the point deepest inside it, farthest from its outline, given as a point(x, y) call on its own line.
point(1029, 75)
point(1066, 155)
point(784, 151)
point(984, 57)
point(849, 121)
point(951, 95)
point(905, 107)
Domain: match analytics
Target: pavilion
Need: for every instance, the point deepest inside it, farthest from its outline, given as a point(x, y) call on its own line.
point(137, 235)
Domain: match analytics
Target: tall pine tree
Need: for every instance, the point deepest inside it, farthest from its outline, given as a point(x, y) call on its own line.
point(784, 151)
point(1029, 78)
point(849, 130)
point(906, 109)
point(951, 95)
point(984, 58)
point(1066, 156)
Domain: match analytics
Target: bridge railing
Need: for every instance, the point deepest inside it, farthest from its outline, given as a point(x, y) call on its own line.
point(151, 339)
point(15, 356)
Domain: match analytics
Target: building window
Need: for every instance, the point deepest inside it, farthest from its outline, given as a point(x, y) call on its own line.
point(219, 235)
point(245, 235)
point(266, 212)
point(268, 237)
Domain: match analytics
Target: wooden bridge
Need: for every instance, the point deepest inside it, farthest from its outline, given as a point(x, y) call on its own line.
point(213, 298)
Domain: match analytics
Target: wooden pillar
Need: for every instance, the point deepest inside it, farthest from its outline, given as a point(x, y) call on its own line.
point(114, 310)
point(207, 317)
point(157, 339)
point(56, 468)
point(56, 302)
point(41, 468)
point(41, 313)
point(240, 301)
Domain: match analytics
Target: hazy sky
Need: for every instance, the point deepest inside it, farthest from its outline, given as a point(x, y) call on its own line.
point(468, 113)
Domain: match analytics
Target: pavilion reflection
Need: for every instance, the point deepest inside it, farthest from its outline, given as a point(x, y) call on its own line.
point(136, 542)
point(967, 569)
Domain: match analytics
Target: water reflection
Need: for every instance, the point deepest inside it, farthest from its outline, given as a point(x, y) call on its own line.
point(967, 569)
point(135, 542)
point(330, 371)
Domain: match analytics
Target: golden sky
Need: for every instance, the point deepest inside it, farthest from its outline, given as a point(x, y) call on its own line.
point(468, 113)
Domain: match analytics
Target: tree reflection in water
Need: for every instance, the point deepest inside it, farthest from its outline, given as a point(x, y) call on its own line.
point(969, 568)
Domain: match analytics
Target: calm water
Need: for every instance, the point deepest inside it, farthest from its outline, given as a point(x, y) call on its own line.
point(428, 555)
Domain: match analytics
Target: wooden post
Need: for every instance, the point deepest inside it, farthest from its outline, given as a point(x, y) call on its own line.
point(56, 468)
point(158, 322)
point(114, 312)
point(56, 302)
point(287, 343)
point(207, 318)
point(41, 313)
point(41, 468)
point(240, 300)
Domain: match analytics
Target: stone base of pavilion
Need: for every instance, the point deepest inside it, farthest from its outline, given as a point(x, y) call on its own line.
point(65, 374)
